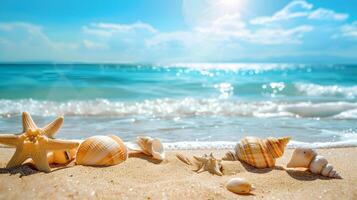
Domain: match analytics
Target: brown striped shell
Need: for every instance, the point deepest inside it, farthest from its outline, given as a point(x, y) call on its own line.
point(261, 153)
point(101, 151)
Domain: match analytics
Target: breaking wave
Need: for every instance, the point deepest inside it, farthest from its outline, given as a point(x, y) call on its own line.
point(327, 90)
point(187, 107)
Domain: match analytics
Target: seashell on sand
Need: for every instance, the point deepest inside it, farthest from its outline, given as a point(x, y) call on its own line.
point(239, 186)
point(317, 164)
point(152, 147)
point(260, 153)
point(101, 151)
point(61, 156)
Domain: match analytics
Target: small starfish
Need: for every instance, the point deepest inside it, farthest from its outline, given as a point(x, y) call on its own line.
point(34, 143)
point(208, 163)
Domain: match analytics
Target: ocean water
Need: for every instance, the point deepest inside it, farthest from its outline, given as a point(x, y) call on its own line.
point(201, 105)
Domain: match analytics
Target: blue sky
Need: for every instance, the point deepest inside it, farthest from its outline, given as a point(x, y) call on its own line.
point(179, 31)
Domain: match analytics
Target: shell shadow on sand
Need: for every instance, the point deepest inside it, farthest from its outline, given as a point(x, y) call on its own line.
point(233, 167)
point(252, 169)
point(305, 175)
point(145, 157)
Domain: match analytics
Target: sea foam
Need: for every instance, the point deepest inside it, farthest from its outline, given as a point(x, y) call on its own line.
point(219, 145)
point(349, 92)
point(187, 107)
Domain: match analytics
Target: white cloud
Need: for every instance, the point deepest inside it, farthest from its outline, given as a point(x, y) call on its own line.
point(186, 38)
point(325, 14)
point(109, 29)
point(28, 41)
point(349, 30)
point(300, 9)
point(294, 9)
point(232, 28)
point(216, 34)
point(279, 36)
point(94, 45)
point(126, 27)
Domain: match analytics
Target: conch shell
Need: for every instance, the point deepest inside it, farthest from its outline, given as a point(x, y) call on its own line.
point(151, 147)
point(61, 156)
point(101, 151)
point(308, 158)
point(257, 152)
point(239, 186)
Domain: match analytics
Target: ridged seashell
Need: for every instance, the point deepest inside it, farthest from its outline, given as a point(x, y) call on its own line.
point(239, 186)
point(101, 151)
point(152, 147)
point(260, 153)
point(61, 156)
point(308, 158)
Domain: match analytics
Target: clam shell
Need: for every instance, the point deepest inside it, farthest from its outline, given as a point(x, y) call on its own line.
point(260, 153)
point(101, 151)
point(152, 147)
point(239, 186)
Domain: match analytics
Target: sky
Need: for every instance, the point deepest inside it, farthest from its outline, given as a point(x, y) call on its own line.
point(174, 31)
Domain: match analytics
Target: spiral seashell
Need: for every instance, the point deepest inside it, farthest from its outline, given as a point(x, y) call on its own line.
point(308, 158)
point(260, 153)
point(61, 156)
point(152, 147)
point(239, 186)
point(101, 151)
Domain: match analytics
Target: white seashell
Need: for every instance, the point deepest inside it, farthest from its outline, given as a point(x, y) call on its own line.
point(239, 186)
point(308, 158)
point(302, 157)
point(101, 151)
point(326, 171)
point(317, 164)
point(152, 147)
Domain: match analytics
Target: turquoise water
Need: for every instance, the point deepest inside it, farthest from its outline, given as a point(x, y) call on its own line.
point(186, 105)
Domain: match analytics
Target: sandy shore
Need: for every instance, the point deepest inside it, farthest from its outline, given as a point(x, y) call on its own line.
point(141, 178)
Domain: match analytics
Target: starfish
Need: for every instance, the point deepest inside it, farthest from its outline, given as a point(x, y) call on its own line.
point(208, 163)
point(35, 142)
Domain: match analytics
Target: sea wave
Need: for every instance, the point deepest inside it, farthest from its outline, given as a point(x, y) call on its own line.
point(194, 145)
point(187, 107)
point(349, 92)
point(257, 67)
point(223, 145)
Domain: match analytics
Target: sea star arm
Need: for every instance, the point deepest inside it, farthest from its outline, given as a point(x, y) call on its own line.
point(27, 122)
point(55, 144)
point(217, 170)
point(51, 128)
point(18, 158)
point(39, 157)
point(9, 139)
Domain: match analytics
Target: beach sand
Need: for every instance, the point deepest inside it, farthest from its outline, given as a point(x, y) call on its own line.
point(142, 178)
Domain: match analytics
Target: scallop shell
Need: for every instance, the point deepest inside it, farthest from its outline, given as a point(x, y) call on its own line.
point(101, 151)
point(152, 147)
point(239, 186)
point(261, 153)
point(61, 157)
